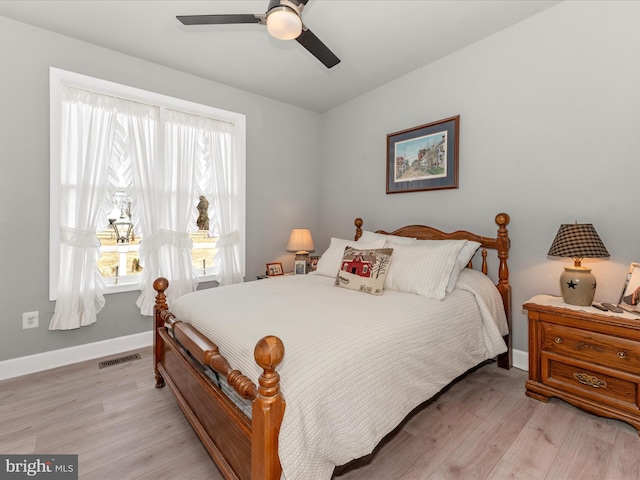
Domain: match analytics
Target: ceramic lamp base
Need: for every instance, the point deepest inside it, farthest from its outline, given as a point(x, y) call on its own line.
point(304, 256)
point(578, 286)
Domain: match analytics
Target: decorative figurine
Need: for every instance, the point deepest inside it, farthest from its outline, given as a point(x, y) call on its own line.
point(203, 213)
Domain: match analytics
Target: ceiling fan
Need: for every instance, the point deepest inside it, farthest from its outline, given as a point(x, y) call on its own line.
point(283, 20)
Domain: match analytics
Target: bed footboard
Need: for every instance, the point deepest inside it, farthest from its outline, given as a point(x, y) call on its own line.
point(242, 448)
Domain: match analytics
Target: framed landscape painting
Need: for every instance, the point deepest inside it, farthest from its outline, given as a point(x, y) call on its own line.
point(424, 157)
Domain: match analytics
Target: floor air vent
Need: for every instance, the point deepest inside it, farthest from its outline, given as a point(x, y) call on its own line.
point(118, 361)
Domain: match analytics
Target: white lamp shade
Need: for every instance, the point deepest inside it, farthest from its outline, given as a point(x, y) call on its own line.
point(283, 23)
point(300, 240)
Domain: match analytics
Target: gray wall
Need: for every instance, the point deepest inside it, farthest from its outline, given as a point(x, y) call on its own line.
point(281, 193)
point(550, 133)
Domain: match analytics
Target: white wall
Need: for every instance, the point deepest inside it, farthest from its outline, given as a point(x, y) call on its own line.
point(550, 133)
point(280, 191)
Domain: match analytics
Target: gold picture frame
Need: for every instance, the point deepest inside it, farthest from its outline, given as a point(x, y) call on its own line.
point(274, 269)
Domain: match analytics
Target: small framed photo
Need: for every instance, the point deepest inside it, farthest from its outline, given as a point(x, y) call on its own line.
point(424, 157)
point(274, 269)
point(630, 298)
point(300, 267)
point(313, 262)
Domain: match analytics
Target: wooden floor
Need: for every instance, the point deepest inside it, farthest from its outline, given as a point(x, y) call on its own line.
point(481, 427)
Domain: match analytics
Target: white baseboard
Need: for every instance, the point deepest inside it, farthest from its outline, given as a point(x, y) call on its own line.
point(521, 360)
point(15, 367)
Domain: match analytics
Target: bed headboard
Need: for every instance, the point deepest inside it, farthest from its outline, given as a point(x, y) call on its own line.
point(500, 243)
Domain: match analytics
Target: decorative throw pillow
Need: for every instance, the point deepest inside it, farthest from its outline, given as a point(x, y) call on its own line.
point(364, 270)
point(368, 236)
point(423, 269)
point(329, 262)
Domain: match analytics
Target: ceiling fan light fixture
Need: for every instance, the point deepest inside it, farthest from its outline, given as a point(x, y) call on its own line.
point(284, 23)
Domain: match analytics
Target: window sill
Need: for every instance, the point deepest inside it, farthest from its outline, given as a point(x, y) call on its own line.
point(133, 284)
point(123, 285)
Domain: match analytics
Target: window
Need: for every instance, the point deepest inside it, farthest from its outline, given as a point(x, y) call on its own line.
point(170, 170)
point(119, 253)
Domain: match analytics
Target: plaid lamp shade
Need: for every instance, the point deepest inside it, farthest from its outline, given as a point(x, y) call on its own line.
point(579, 240)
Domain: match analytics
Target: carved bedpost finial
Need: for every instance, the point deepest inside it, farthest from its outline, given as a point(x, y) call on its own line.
point(160, 285)
point(503, 219)
point(268, 353)
point(358, 223)
point(267, 411)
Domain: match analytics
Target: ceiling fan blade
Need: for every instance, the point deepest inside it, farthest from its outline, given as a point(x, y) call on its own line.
point(318, 49)
point(219, 19)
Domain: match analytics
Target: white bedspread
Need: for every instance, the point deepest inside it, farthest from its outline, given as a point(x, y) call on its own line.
point(355, 364)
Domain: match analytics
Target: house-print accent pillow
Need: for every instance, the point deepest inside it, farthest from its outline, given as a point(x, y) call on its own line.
point(364, 270)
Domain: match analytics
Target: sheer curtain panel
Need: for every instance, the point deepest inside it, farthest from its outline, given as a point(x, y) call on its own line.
point(166, 186)
point(226, 204)
point(89, 126)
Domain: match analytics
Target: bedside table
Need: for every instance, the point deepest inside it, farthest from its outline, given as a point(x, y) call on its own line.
point(286, 274)
point(588, 358)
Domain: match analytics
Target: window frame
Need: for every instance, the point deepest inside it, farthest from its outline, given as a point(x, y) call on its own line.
point(58, 78)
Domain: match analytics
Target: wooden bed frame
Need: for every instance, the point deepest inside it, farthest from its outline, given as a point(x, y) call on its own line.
point(248, 449)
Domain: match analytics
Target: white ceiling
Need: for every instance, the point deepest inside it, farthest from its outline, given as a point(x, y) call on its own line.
point(376, 40)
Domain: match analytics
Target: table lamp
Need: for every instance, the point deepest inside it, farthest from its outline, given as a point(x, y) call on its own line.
point(579, 240)
point(300, 241)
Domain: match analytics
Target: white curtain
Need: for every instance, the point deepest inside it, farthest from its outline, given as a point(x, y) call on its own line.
point(225, 199)
point(89, 126)
point(165, 165)
point(165, 185)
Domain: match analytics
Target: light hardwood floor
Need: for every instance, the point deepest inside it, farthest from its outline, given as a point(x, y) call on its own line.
point(481, 427)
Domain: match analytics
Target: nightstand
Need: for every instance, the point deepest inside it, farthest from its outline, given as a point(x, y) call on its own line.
point(588, 358)
point(262, 277)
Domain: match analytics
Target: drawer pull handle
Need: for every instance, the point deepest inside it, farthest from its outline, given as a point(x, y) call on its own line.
point(590, 380)
point(558, 339)
point(622, 354)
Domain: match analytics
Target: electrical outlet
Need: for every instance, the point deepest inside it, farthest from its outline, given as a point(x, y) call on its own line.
point(30, 319)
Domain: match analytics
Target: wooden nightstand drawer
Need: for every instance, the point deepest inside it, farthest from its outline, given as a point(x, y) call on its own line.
point(590, 384)
point(594, 347)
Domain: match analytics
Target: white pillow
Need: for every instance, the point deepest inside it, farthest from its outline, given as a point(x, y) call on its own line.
point(423, 269)
point(464, 257)
point(330, 261)
point(466, 254)
point(373, 236)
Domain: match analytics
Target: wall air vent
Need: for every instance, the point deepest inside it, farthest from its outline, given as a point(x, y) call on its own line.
point(118, 361)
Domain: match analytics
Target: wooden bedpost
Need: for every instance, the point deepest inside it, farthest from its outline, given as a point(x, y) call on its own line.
point(502, 219)
point(160, 285)
point(358, 223)
point(267, 412)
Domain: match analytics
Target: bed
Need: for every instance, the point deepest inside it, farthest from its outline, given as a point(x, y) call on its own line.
point(346, 381)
